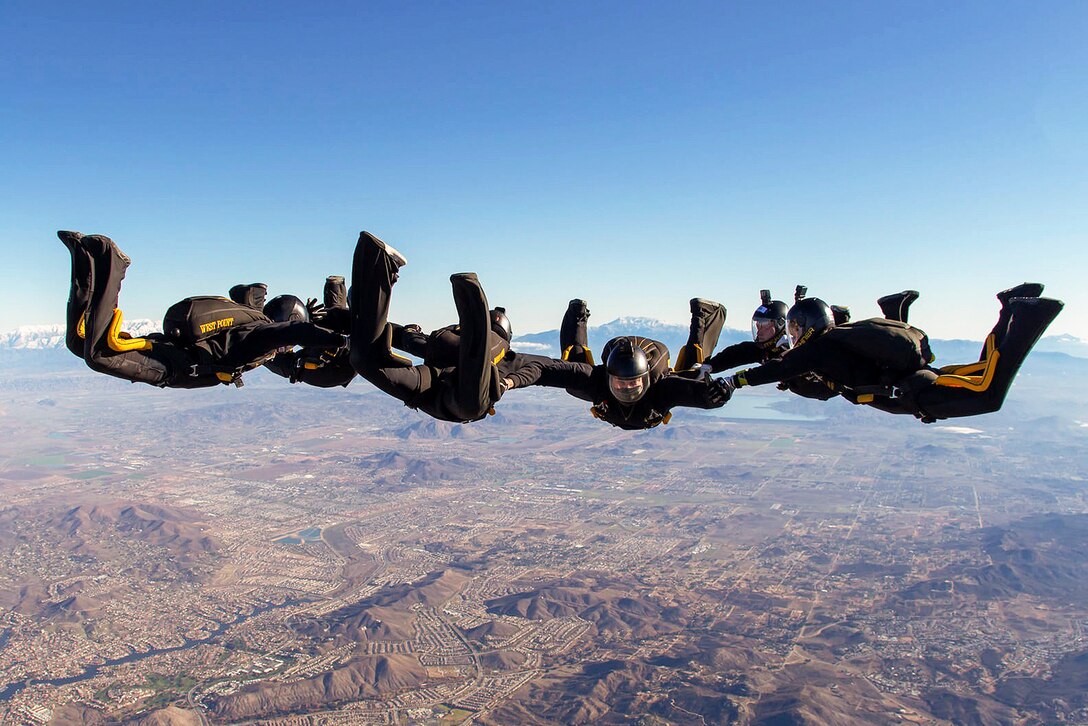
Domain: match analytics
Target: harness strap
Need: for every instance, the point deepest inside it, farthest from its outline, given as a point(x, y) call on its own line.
point(224, 374)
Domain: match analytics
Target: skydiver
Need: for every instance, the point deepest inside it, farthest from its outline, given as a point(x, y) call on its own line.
point(323, 367)
point(885, 363)
point(633, 388)
point(207, 340)
point(466, 368)
point(770, 342)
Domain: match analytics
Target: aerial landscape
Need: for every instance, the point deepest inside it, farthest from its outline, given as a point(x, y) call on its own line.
point(286, 555)
point(491, 364)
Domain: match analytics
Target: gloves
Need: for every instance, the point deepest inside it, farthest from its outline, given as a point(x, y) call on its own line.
point(703, 371)
point(721, 390)
point(316, 310)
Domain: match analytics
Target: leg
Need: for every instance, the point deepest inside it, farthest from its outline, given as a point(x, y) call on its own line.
point(336, 293)
point(79, 295)
point(897, 306)
point(253, 342)
point(410, 339)
point(374, 270)
point(472, 395)
point(573, 338)
point(997, 335)
point(1028, 320)
point(337, 316)
point(109, 265)
point(707, 319)
point(252, 295)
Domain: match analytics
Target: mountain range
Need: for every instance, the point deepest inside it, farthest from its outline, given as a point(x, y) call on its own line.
point(51, 337)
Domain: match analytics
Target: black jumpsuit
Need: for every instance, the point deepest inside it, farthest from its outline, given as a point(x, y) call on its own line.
point(590, 383)
point(460, 380)
point(316, 366)
point(866, 373)
point(750, 351)
point(98, 268)
point(577, 374)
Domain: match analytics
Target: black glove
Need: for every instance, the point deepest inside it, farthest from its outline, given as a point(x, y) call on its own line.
point(316, 310)
point(721, 390)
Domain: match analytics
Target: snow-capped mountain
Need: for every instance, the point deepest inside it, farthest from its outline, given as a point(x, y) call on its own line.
point(674, 336)
point(51, 337)
point(1068, 344)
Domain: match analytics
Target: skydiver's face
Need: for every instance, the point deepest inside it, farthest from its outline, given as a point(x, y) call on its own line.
point(628, 390)
point(765, 331)
point(796, 331)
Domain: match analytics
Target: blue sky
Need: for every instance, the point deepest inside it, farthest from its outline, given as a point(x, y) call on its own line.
point(634, 154)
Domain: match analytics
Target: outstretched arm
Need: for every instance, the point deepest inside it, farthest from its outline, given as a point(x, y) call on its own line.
point(674, 390)
point(793, 363)
point(538, 370)
point(734, 355)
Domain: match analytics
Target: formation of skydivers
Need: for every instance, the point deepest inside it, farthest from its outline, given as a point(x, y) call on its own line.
point(810, 348)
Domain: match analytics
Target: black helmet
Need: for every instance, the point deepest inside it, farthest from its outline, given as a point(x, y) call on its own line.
point(769, 320)
point(287, 308)
point(628, 371)
point(501, 324)
point(807, 319)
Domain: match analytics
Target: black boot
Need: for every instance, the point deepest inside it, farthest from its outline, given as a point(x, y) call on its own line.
point(1030, 314)
point(336, 293)
point(69, 238)
point(897, 306)
point(252, 295)
point(578, 310)
point(1024, 289)
point(398, 259)
point(99, 245)
point(573, 334)
point(707, 319)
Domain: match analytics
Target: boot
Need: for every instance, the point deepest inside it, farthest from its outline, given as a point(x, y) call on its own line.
point(578, 310)
point(707, 318)
point(1024, 289)
point(98, 245)
point(840, 314)
point(336, 293)
point(897, 306)
point(69, 238)
point(573, 336)
point(253, 295)
point(1032, 315)
point(398, 259)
